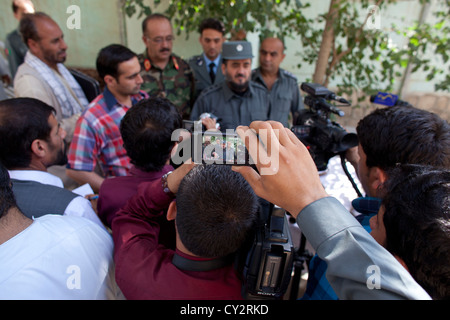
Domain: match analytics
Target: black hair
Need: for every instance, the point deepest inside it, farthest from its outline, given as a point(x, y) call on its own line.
point(216, 209)
point(22, 120)
point(211, 23)
point(110, 57)
point(147, 132)
point(404, 135)
point(7, 199)
point(28, 28)
point(417, 223)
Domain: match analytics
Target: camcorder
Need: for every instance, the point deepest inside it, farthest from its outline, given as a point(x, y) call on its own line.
point(266, 259)
point(323, 137)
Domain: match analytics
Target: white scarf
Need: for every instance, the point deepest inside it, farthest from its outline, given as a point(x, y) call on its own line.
point(69, 105)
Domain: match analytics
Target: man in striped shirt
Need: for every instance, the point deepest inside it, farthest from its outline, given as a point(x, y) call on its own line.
point(96, 151)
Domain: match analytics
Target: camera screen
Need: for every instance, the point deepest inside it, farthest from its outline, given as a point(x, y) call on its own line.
point(217, 148)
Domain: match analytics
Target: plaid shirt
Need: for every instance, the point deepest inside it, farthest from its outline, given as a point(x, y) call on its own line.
point(318, 287)
point(97, 137)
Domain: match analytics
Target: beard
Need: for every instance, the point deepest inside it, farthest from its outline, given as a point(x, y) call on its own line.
point(237, 87)
point(61, 156)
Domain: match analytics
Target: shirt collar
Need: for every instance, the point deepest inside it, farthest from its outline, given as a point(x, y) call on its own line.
point(169, 65)
point(152, 175)
point(216, 61)
point(258, 76)
point(111, 101)
point(36, 176)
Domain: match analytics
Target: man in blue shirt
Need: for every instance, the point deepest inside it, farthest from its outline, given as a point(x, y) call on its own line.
point(207, 66)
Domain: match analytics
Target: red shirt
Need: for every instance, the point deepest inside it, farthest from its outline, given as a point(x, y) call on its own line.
point(115, 192)
point(144, 268)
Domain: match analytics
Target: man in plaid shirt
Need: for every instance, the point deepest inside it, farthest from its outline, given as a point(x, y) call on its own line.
point(97, 151)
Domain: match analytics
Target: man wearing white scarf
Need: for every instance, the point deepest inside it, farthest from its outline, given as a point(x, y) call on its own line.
point(43, 75)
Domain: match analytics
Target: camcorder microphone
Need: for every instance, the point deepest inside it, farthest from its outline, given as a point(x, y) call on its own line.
point(388, 99)
point(318, 90)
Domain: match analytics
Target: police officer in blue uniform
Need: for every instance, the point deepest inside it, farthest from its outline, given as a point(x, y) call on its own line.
point(281, 85)
point(237, 100)
point(207, 66)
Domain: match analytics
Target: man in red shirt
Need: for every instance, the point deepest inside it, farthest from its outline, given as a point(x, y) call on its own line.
point(214, 210)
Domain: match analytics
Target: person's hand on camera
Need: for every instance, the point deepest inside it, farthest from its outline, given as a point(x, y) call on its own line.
point(210, 124)
point(288, 176)
point(174, 179)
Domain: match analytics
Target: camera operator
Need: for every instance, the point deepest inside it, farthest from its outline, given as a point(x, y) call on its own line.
point(387, 136)
point(336, 236)
point(214, 210)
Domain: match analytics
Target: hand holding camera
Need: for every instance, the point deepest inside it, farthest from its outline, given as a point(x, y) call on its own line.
point(296, 182)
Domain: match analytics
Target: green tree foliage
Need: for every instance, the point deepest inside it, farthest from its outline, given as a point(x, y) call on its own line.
point(340, 42)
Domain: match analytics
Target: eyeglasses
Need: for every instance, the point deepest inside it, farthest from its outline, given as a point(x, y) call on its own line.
point(159, 40)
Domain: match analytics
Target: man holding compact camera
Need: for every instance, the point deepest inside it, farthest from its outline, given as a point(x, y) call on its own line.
point(214, 210)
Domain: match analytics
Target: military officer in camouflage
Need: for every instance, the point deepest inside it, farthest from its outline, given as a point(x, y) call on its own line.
point(281, 85)
point(237, 100)
point(207, 66)
point(164, 73)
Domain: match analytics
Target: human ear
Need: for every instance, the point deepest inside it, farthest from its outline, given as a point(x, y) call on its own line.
point(172, 211)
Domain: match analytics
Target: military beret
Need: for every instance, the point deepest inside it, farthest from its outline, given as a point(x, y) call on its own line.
point(237, 50)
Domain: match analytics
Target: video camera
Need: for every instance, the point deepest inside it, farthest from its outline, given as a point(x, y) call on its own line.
point(323, 138)
point(267, 260)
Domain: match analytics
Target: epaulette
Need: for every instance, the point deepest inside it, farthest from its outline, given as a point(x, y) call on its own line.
point(289, 74)
point(211, 89)
point(196, 60)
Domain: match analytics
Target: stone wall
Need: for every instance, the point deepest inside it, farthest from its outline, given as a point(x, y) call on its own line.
point(438, 103)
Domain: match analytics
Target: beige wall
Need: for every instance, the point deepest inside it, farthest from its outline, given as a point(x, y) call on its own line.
point(103, 23)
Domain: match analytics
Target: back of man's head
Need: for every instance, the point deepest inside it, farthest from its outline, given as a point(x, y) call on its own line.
point(416, 219)
point(147, 132)
point(7, 200)
point(404, 135)
point(109, 58)
point(216, 208)
point(22, 120)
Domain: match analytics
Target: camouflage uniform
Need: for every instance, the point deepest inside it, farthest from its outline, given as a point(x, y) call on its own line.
point(175, 82)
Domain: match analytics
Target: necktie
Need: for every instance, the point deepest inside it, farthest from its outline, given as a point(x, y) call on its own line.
point(211, 72)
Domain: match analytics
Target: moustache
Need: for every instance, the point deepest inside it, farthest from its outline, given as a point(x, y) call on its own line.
point(164, 50)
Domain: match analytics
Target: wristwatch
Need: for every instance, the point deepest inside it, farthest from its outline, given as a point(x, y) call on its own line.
point(165, 185)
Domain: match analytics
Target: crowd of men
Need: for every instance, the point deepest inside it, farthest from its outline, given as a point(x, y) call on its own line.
point(154, 230)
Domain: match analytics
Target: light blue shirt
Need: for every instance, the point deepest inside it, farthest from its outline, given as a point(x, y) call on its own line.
point(355, 260)
point(208, 62)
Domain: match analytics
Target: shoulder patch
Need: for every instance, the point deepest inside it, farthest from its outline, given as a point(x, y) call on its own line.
point(289, 74)
point(211, 89)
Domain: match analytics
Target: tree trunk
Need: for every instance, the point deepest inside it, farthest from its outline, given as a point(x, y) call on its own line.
point(327, 44)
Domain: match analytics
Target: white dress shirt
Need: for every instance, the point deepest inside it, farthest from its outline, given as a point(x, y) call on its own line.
point(58, 258)
point(79, 206)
